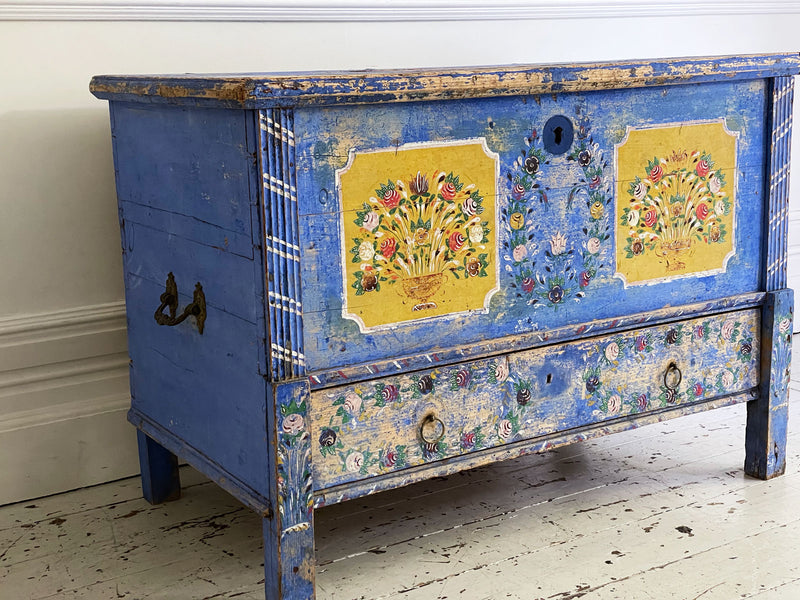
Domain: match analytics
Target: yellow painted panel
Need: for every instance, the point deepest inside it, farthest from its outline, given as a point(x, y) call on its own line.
point(419, 231)
point(675, 201)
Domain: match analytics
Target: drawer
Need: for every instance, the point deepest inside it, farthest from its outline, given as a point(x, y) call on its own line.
point(384, 425)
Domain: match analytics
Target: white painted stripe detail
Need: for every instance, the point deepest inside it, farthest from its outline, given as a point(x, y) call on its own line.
point(279, 190)
point(275, 130)
point(369, 10)
point(284, 353)
point(278, 127)
point(283, 242)
point(276, 295)
point(275, 181)
point(283, 254)
point(285, 308)
point(778, 177)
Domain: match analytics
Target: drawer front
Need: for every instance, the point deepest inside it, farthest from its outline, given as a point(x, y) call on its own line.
point(387, 424)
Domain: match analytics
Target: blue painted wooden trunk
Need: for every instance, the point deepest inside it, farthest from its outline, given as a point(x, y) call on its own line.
point(393, 276)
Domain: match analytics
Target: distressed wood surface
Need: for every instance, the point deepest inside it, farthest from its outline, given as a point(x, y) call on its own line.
point(282, 250)
point(779, 159)
point(600, 516)
point(289, 561)
point(765, 441)
point(187, 204)
point(555, 247)
point(357, 87)
point(418, 362)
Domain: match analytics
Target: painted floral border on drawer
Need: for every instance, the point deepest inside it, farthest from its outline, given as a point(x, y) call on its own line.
point(604, 386)
point(370, 428)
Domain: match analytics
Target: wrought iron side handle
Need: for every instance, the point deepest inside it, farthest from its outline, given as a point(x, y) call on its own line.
point(169, 299)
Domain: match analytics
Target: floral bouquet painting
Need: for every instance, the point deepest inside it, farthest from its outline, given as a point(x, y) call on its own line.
point(678, 216)
point(419, 235)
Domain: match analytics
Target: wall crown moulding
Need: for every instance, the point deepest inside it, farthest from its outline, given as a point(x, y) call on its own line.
point(375, 10)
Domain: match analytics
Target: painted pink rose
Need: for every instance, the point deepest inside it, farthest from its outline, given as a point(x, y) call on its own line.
point(593, 245)
point(702, 168)
point(501, 371)
point(352, 403)
point(518, 191)
point(784, 325)
point(727, 330)
point(612, 351)
point(640, 191)
point(699, 332)
point(595, 182)
point(727, 379)
point(642, 402)
point(714, 184)
point(391, 198)
point(469, 207)
point(448, 191)
point(614, 404)
point(371, 221)
point(354, 462)
point(456, 241)
point(293, 424)
point(505, 429)
point(519, 252)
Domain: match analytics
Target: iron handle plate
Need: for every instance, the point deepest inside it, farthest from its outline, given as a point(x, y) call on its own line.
point(169, 300)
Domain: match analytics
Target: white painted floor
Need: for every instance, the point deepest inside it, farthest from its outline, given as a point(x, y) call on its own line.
point(660, 512)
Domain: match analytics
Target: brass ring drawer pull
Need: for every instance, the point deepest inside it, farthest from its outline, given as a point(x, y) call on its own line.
point(437, 426)
point(672, 377)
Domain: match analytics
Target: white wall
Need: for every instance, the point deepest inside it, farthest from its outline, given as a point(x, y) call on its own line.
point(63, 390)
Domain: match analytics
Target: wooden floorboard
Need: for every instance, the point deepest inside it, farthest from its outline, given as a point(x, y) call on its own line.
point(664, 511)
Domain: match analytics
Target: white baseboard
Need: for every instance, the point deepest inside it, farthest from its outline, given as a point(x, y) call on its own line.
point(63, 399)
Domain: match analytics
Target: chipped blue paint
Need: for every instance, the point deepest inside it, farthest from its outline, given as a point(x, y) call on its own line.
point(557, 296)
